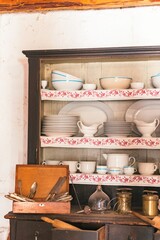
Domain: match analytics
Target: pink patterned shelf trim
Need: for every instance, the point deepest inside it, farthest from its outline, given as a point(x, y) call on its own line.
point(107, 179)
point(100, 94)
point(100, 142)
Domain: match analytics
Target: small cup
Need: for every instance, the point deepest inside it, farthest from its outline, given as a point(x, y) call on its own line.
point(115, 171)
point(89, 86)
point(147, 168)
point(137, 85)
point(44, 83)
point(72, 165)
point(101, 169)
point(86, 166)
point(129, 170)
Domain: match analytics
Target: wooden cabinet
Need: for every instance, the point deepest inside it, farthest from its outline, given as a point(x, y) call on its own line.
point(95, 226)
point(140, 63)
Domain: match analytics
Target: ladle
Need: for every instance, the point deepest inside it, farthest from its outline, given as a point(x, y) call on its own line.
point(33, 190)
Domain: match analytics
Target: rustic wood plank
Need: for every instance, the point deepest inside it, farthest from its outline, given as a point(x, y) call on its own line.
point(45, 5)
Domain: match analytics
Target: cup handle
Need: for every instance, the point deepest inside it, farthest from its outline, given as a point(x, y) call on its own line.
point(157, 123)
point(60, 163)
point(135, 170)
point(79, 124)
point(44, 163)
point(155, 167)
point(132, 161)
point(99, 126)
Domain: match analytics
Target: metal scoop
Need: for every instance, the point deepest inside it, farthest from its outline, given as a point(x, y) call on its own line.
point(33, 190)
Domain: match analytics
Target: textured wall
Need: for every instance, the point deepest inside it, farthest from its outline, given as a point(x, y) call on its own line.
point(56, 29)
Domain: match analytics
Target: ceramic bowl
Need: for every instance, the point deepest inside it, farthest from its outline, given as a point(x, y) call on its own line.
point(59, 75)
point(67, 84)
point(89, 86)
point(155, 80)
point(137, 85)
point(115, 82)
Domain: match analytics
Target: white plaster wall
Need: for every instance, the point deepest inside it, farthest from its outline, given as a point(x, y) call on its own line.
point(56, 29)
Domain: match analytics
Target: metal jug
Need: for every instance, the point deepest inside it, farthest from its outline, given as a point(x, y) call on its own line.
point(150, 203)
point(124, 197)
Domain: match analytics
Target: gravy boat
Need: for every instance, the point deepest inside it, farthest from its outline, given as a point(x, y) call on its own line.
point(89, 131)
point(146, 129)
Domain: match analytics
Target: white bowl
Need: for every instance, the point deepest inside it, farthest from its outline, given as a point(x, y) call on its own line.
point(115, 82)
point(59, 75)
point(67, 85)
point(137, 85)
point(156, 80)
point(89, 86)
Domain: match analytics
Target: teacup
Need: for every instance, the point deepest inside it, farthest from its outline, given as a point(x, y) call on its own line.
point(51, 162)
point(129, 170)
point(101, 169)
point(147, 168)
point(86, 166)
point(115, 170)
point(72, 165)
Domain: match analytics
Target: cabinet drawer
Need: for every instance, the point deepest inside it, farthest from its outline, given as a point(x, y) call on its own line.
point(33, 230)
point(60, 234)
point(123, 232)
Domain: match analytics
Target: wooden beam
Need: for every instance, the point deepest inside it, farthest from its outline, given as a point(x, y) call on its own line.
point(46, 5)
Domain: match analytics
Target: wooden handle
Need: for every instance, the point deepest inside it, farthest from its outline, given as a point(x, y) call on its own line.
point(59, 224)
point(144, 218)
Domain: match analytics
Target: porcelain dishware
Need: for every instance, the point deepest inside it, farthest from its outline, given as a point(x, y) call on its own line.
point(101, 169)
point(146, 129)
point(137, 85)
point(51, 162)
point(44, 83)
point(89, 86)
point(129, 170)
point(118, 160)
point(88, 131)
point(86, 166)
point(72, 165)
point(147, 168)
point(116, 82)
point(115, 170)
point(155, 80)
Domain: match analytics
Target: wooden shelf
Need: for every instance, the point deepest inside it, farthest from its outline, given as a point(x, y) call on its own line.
point(101, 142)
point(100, 95)
point(108, 179)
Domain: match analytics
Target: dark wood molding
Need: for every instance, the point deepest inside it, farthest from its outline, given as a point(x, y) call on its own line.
point(9, 6)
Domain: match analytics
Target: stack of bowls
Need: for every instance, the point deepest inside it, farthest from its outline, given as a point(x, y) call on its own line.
point(118, 129)
point(65, 81)
point(58, 125)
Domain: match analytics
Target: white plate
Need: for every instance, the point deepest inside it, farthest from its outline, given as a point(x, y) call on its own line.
point(144, 110)
point(89, 112)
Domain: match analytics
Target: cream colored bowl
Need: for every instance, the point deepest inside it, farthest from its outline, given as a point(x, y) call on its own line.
point(115, 82)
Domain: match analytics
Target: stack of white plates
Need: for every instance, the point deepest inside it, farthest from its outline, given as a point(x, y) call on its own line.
point(118, 129)
point(60, 125)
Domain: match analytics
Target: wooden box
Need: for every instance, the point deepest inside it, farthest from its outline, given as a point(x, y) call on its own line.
point(59, 234)
point(45, 176)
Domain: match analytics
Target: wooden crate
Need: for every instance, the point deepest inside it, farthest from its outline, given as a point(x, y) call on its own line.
point(45, 176)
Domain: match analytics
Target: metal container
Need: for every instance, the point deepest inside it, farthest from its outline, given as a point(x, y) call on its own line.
point(124, 197)
point(150, 203)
